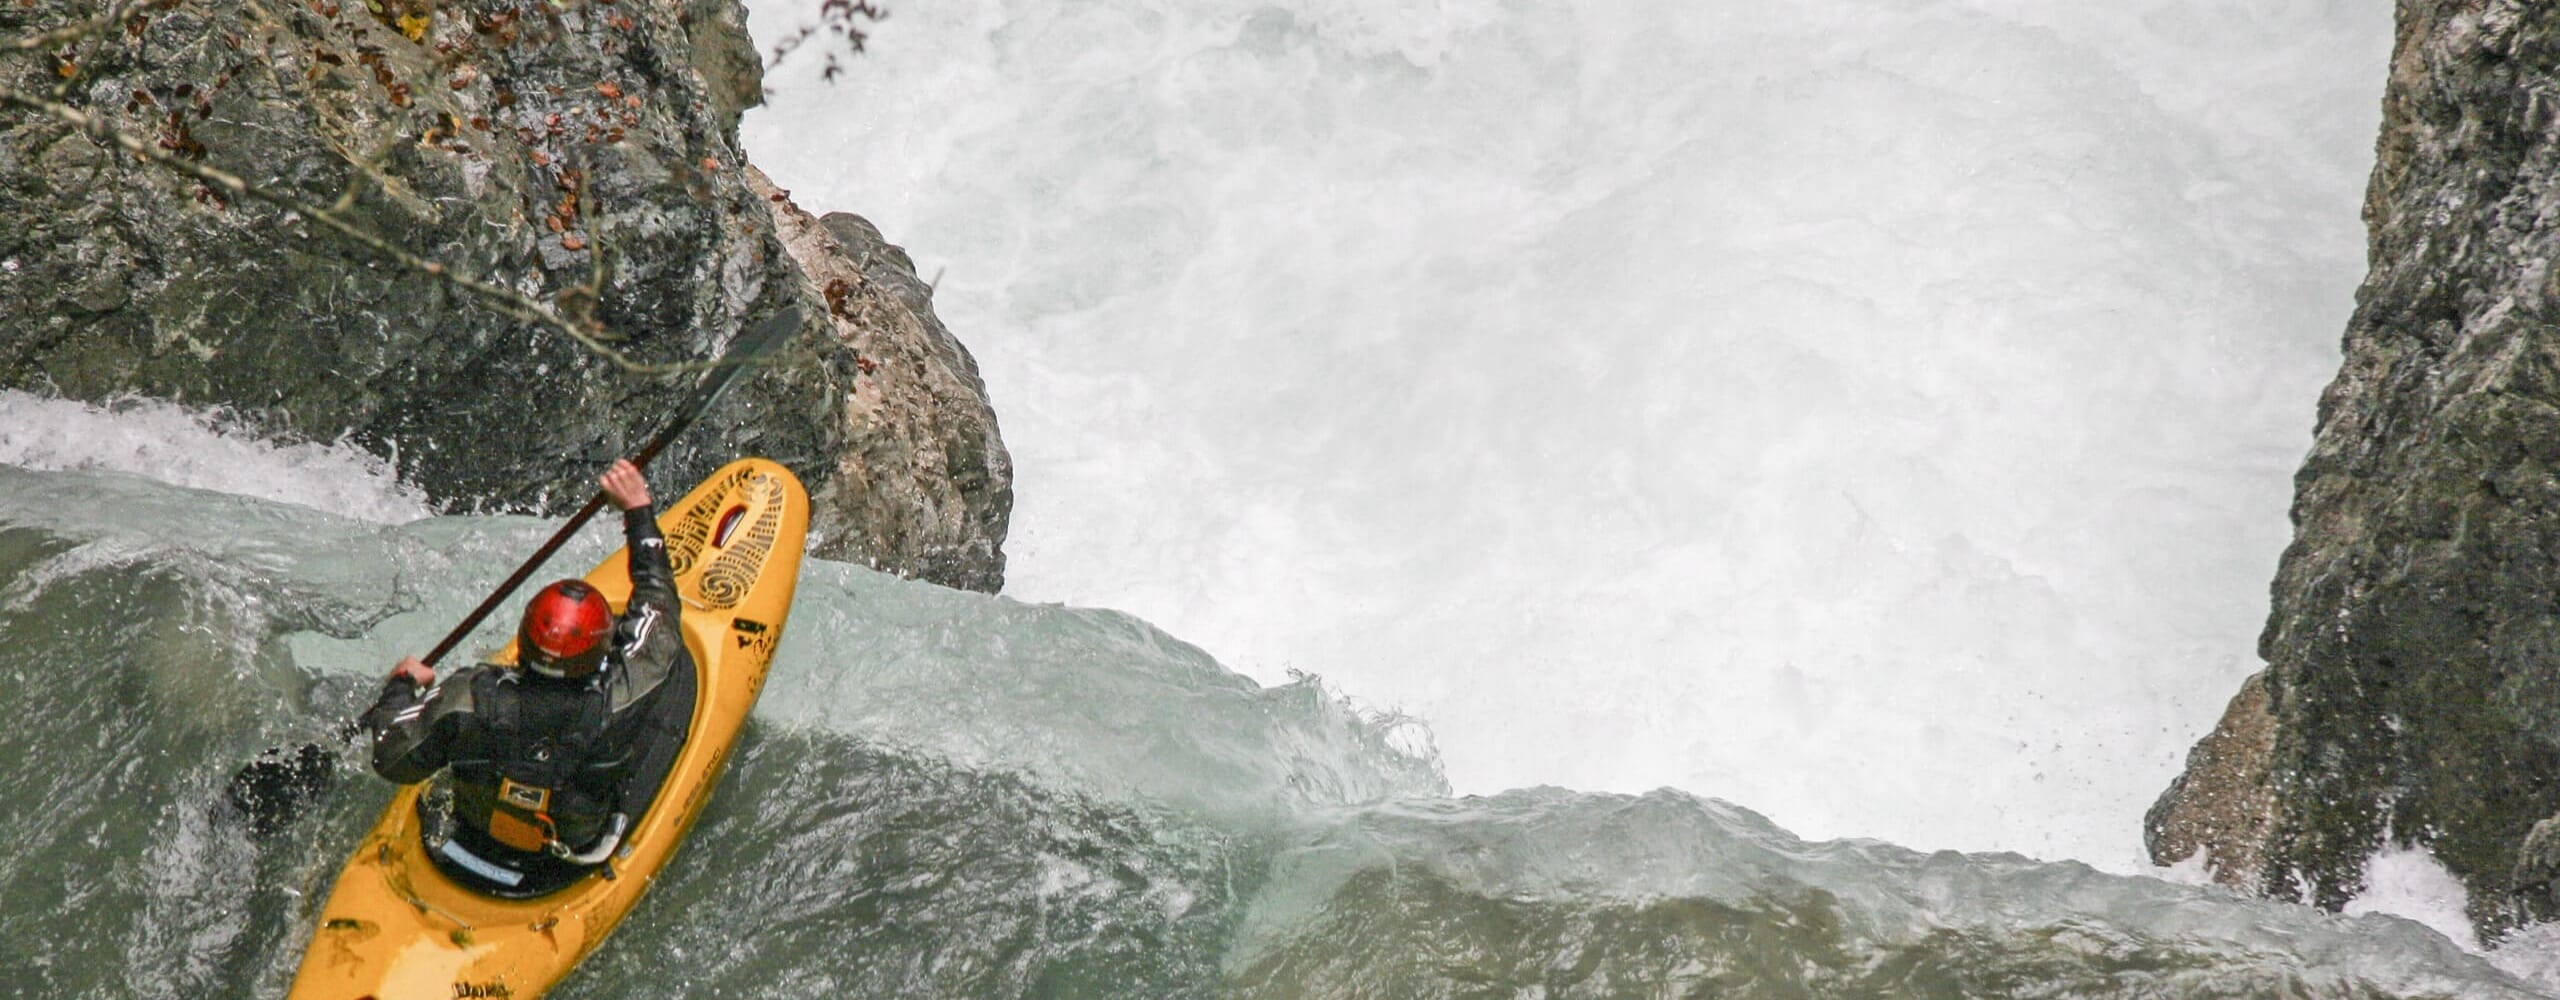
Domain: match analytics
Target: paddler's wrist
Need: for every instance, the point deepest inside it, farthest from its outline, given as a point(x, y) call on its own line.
point(633, 517)
point(415, 671)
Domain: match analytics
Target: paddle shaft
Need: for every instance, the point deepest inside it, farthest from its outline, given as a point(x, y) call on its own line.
point(757, 341)
point(271, 789)
point(541, 555)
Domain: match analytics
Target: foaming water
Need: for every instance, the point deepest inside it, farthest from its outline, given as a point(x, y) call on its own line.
point(1078, 697)
point(1856, 918)
point(1881, 412)
point(949, 794)
point(2409, 882)
point(190, 447)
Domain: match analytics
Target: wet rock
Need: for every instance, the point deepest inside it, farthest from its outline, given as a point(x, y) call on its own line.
point(583, 154)
point(2537, 874)
point(2413, 651)
point(924, 469)
point(2221, 806)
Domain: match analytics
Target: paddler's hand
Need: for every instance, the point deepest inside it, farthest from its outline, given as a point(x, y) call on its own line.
point(416, 670)
point(623, 485)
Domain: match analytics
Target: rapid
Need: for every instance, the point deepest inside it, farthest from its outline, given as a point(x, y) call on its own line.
point(955, 794)
point(1610, 499)
point(1881, 412)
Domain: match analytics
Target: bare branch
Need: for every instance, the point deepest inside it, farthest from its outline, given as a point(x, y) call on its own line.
point(64, 35)
point(843, 19)
point(506, 301)
point(587, 224)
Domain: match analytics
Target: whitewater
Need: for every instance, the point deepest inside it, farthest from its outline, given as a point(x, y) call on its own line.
point(1515, 499)
point(954, 794)
point(1878, 412)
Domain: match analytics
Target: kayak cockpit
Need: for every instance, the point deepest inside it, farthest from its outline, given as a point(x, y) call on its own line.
point(478, 862)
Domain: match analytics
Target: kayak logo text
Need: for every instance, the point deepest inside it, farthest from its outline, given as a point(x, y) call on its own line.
point(472, 991)
point(752, 634)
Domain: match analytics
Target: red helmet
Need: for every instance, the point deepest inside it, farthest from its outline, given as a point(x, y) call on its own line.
point(564, 630)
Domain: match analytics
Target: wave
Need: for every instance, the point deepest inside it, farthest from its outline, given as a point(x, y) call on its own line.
point(949, 794)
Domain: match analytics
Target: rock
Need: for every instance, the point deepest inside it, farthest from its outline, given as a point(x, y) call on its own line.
point(724, 55)
point(2222, 804)
point(925, 475)
point(2537, 871)
point(2413, 650)
point(583, 154)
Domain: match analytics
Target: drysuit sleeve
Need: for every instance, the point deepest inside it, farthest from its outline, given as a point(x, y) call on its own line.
point(647, 638)
point(653, 579)
point(414, 729)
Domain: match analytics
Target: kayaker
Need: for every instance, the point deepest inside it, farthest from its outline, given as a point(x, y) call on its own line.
point(551, 757)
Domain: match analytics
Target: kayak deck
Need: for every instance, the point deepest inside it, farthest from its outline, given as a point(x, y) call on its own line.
point(396, 928)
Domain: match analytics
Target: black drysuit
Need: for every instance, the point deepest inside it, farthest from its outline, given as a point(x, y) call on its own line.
point(561, 757)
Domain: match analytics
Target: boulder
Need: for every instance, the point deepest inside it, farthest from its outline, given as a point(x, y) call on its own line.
point(583, 154)
point(2412, 689)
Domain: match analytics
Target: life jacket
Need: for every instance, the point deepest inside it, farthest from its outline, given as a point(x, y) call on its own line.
point(545, 774)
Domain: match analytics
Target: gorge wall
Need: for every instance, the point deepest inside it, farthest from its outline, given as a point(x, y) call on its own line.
point(2412, 687)
point(583, 155)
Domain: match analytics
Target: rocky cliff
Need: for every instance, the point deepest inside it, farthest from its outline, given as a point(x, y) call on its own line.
point(582, 154)
point(2412, 688)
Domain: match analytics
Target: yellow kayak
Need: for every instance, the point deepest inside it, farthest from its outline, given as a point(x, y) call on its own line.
point(397, 928)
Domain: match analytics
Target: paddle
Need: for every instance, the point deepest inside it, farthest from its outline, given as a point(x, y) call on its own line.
point(752, 345)
point(269, 789)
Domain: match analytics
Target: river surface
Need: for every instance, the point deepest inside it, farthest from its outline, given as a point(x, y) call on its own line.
point(1882, 412)
point(960, 795)
point(1738, 469)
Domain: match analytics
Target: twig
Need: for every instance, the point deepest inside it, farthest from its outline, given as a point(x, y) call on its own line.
point(836, 17)
point(64, 35)
point(368, 166)
point(74, 57)
point(504, 300)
